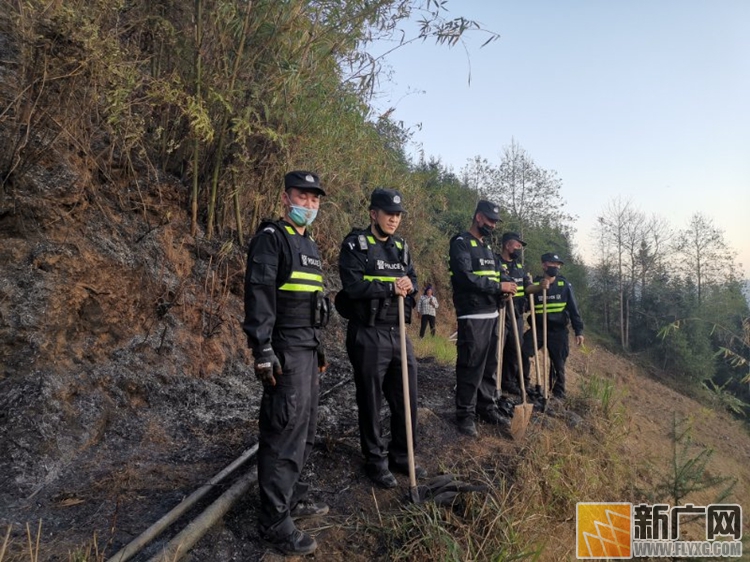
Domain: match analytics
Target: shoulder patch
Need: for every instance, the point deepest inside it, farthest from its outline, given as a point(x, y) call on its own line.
point(269, 229)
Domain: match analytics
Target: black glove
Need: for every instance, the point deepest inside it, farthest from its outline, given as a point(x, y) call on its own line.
point(322, 365)
point(266, 366)
point(502, 298)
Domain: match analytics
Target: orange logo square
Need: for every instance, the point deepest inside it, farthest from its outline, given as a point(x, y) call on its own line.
point(604, 530)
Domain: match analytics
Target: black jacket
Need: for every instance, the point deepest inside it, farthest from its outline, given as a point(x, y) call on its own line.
point(278, 309)
point(475, 275)
point(368, 268)
point(514, 271)
point(561, 306)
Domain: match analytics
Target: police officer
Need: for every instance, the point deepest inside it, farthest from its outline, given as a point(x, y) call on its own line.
point(376, 269)
point(477, 291)
point(510, 266)
point(562, 310)
point(284, 309)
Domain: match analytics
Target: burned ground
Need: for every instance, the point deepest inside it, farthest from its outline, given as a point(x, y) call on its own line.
point(126, 380)
point(126, 385)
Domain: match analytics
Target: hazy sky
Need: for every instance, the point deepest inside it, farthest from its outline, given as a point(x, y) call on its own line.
point(644, 100)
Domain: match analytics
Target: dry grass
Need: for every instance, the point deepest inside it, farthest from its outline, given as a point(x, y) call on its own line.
point(438, 347)
point(28, 552)
point(532, 493)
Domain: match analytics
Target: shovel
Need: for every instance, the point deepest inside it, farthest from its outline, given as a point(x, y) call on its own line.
point(537, 378)
point(443, 489)
point(521, 412)
point(537, 358)
point(500, 342)
point(545, 365)
point(413, 490)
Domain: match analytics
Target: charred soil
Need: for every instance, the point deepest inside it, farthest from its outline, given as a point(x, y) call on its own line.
point(126, 385)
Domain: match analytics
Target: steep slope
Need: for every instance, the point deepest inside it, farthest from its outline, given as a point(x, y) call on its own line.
point(119, 340)
point(125, 386)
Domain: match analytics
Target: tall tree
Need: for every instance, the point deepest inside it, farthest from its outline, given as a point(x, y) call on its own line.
point(708, 257)
point(617, 228)
point(479, 175)
point(529, 194)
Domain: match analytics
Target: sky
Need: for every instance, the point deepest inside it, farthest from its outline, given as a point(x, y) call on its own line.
point(643, 100)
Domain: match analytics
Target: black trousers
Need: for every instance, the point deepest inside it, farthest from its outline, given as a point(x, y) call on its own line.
point(558, 346)
point(510, 356)
point(427, 319)
point(375, 355)
point(476, 366)
point(288, 420)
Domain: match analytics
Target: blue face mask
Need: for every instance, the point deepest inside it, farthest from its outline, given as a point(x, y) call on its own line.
point(302, 216)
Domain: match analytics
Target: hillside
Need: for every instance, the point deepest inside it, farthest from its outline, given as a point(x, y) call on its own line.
point(126, 385)
point(141, 144)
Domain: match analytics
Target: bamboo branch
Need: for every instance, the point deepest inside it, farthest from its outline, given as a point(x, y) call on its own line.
point(186, 539)
point(137, 544)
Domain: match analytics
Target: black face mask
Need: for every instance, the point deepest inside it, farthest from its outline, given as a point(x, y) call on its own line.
point(485, 230)
point(552, 271)
point(515, 254)
point(380, 232)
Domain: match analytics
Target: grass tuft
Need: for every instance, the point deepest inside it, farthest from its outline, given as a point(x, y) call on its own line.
point(438, 347)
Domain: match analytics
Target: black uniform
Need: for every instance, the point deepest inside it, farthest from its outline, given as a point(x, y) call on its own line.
point(513, 271)
point(562, 310)
point(284, 308)
point(368, 268)
point(475, 278)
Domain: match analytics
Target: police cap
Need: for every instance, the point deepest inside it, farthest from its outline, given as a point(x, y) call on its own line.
point(551, 257)
point(302, 179)
point(489, 210)
point(508, 236)
point(388, 200)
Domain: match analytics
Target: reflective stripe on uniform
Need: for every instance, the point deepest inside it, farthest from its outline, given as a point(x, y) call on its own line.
point(491, 273)
point(379, 278)
point(551, 307)
point(315, 282)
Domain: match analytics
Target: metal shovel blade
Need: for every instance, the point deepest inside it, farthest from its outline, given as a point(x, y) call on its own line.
point(522, 412)
point(414, 495)
point(520, 420)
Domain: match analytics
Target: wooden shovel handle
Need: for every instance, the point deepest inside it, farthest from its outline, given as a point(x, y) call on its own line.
point(519, 357)
point(500, 342)
point(536, 341)
point(407, 400)
point(545, 365)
